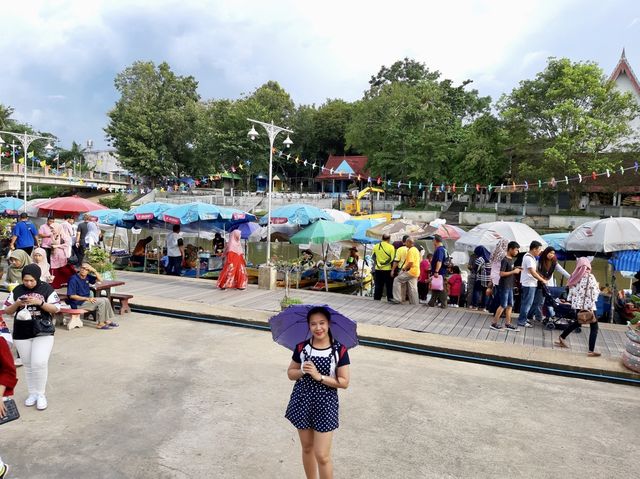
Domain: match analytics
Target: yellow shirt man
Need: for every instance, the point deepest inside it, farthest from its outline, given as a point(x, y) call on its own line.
point(385, 253)
point(401, 256)
point(413, 257)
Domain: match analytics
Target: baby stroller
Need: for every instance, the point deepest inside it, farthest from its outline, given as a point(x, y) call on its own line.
point(559, 314)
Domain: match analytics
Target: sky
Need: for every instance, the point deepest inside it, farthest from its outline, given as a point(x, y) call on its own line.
point(60, 57)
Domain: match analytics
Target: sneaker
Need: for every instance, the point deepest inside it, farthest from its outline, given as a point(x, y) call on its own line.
point(527, 325)
point(31, 400)
point(41, 403)
point(511, 327)
point(4, 470)
point(17, 362)
point(495, 327)
point(393, 301)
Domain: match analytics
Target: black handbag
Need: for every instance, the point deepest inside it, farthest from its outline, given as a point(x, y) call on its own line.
point(11, 411)
point(43, 325)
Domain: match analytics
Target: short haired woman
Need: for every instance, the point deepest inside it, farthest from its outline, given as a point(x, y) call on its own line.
point(319, 366)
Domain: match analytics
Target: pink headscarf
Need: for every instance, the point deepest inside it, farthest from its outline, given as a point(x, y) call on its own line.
point(234, 245)
point(43, 263)
point(583, 268)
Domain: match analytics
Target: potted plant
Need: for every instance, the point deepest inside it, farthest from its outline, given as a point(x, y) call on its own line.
point(100, 259)
point(287, 267)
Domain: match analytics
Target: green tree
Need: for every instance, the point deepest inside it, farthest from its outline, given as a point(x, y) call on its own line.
point(153, 124)
point(412, 129)
point(331, 123)
point(5, 116)
point(119, 200)
point(568, 120)
point(407, 71)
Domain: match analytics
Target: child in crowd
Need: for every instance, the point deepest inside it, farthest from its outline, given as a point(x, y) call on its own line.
point(454, 285)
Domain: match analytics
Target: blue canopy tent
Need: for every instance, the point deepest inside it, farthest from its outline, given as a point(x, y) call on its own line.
point(627, 261)
point(145, 213)
point(10, 205)
point(298, 214)
point(557, 241)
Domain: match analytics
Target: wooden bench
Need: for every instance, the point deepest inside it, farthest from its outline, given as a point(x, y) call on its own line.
point(72, 318)
point(121, 300)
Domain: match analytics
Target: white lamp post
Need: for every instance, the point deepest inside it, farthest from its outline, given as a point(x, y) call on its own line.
point(1, 145)
point(272, 131)
point(26, 139)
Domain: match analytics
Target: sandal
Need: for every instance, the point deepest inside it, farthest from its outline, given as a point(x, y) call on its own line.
point(104, 326)
point(593, 354)
point(113, 325)
point(561, 344)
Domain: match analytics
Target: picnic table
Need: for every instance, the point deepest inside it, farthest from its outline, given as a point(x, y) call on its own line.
point(106, 286)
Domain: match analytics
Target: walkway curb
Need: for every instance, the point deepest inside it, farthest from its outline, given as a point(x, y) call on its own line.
point(505, 355)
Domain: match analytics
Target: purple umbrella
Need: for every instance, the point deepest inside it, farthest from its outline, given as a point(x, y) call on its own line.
point(246, 229)
point(290, 328)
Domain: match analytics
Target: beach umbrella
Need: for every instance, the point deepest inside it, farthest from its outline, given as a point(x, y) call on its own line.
point(64, 205)
point(289, 328)
point(489, 234)
point(110, 216)
point(194, 212)
point(447, 232)
point(605, 236)
point(146, 211)
point(337, 215)
point(556, 240)
point(399, 228)
point(246, 229)
point(11, 205)
point(361, 228)
point(297, 213)
point(323, 231)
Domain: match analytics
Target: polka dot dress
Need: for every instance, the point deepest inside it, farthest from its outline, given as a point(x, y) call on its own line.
point(314, 405)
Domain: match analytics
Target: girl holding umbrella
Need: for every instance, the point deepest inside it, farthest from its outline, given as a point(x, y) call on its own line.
point(319, 366)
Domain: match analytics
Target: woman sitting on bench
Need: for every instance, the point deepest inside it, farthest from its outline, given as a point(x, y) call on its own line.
point(79, 296)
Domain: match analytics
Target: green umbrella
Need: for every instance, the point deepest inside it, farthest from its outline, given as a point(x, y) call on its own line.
point(323, 231)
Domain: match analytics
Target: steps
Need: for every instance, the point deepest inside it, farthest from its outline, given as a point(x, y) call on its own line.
point(451, 214)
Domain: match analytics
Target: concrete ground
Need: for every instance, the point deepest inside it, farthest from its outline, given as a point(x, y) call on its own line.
point(167, 398)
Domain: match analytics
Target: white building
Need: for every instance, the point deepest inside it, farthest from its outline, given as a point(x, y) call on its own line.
point(103, 161)
point(626, 81)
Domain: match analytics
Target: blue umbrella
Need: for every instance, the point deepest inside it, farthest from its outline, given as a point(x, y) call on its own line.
point(556, 240)
point(298, 214)
point(626, 261)
point(246, 229)
point(289, 328)
point(360, 233)
point(9, 203)
point(111, 217)
point(194, 212)
point(145, 212)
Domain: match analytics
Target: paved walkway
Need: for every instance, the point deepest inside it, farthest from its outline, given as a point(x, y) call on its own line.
point(452, 322)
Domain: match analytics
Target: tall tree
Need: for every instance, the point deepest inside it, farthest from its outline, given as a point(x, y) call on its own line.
point(567, 120)
point(152, 125)
point(407, 71)
point(5, 116)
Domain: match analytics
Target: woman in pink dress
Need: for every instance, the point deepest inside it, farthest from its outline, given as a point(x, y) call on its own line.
point(234, 271)
point(60, 270)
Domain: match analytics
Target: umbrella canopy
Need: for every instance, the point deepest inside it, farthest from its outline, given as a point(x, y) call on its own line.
point(323, 231)
point(298, 214)
point(556, 240)
point(280, 232)
point(246, 229)
point(11, 205)
point(399, 228)
point(606, 236)
point(289, 328)
point(194, 212)
point(448, 232)
point(337, 215)
point(111, 217)
point(74, 205)
point(489, 234)
point(146, 211)
point(361, 227)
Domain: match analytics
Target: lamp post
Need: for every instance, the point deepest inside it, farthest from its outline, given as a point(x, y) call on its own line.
point(26, 139)
point(272, 132)
point(1, 146)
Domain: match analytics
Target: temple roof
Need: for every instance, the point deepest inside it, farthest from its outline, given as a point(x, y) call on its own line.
point(623, 68)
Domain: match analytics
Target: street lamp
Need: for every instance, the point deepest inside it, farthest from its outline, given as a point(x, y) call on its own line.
point(26, 140)
point(272, 131)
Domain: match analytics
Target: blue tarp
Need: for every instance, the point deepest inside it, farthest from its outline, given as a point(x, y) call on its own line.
point(626, 261)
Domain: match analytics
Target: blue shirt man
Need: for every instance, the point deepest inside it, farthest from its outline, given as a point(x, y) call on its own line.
point(24, 234)
point(79, 287)
point(438, 263)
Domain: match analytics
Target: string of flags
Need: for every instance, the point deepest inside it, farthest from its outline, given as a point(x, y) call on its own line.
point(466, 187)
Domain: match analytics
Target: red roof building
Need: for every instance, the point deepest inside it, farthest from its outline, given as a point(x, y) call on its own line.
point(341, 171)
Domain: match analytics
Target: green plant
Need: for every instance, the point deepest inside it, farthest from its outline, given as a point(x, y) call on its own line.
point(100, 259)
point(288, 301)
point(119, 200)
point(5, 227)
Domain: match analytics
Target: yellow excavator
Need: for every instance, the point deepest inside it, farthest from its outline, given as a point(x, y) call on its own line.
point(354, 207)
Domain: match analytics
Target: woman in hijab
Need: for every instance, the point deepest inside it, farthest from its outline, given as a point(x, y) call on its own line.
point(483, 278)
point(583, 294)
point(39, 257)
point(18, 259)
point(59, 267)
point(234, 271)
point(31, 301)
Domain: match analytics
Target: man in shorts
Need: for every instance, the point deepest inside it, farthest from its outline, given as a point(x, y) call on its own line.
point(505, 289)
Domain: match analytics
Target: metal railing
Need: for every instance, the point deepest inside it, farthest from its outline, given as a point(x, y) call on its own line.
point(37, 171)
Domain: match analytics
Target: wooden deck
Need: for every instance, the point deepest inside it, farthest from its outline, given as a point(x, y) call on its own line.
point(458, 322)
